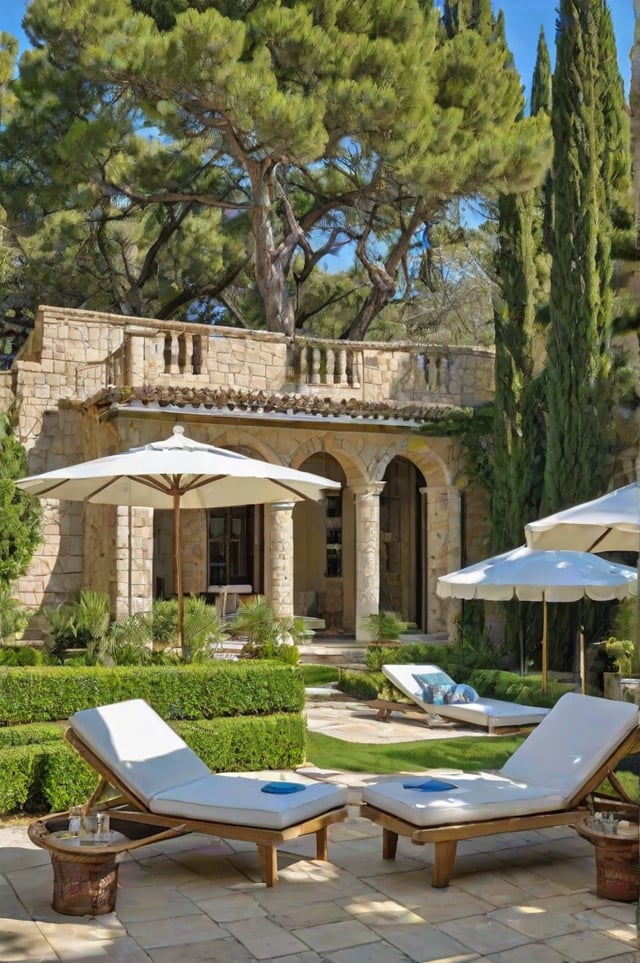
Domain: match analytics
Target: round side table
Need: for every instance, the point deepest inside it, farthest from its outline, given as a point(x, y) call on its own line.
point(85, 877)
point(617, 860)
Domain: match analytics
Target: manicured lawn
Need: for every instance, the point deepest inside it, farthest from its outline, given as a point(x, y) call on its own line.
point(471, 753)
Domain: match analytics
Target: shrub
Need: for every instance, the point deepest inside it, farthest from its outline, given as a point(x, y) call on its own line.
point(14, 618)
point(45, 694)
point(27, 655)
point(384, 626)
point(269, 636)
point(31, 734)
point(360, 685)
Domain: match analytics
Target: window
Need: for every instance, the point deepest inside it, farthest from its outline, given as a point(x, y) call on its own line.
point(334, 535)
point(231, 545)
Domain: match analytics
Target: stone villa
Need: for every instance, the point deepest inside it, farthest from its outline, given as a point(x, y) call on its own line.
point(89, 384)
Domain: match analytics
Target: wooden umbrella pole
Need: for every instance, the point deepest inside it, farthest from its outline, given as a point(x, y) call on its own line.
point(177, 563)
point(544, 643)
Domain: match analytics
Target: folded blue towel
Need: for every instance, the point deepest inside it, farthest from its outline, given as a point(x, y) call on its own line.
point(283, 787)
point(430, 785)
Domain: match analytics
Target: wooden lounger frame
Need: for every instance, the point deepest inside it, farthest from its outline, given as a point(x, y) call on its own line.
point(129, 807)
point(445, 838)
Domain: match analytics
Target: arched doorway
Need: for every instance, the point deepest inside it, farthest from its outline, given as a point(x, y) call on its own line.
point(403, 543)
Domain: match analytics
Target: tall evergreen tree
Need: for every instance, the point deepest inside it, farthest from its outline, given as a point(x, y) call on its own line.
point(579, 384)
point(541, 94)
point(20, 513)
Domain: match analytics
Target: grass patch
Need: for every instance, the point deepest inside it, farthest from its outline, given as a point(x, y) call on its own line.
point(318, 674)
point(472, 753)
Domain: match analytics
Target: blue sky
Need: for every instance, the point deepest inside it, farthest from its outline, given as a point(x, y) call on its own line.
point(523, 19)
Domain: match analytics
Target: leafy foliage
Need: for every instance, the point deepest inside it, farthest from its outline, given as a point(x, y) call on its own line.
point(20, 513)
point(269, 636)
point(199, 160)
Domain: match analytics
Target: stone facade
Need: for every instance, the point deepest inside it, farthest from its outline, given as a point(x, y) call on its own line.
point(88, 385)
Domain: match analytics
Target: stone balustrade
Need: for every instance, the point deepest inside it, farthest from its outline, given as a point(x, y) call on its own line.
point(109, 350)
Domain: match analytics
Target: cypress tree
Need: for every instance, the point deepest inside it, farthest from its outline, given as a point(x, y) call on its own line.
point(579, 390)
point(521, 277)
point(541, 87)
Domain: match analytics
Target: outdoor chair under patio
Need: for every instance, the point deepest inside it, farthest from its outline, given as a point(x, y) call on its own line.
point(162, 782)
point(548, 781)
point(491, 714)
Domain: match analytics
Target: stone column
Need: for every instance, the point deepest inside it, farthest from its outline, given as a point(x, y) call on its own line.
point(133, 584)
point(280, 555)
point(367, 525)
point(444, 550)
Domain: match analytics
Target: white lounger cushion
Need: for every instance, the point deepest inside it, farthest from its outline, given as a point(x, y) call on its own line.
point(543, 774)
point(239, 800)
point(491, 713)
point(138, 746)
point(576, 738)
point(476, 796)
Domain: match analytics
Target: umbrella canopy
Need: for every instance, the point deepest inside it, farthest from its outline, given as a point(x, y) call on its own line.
point(177, 473)
point(540, 576)
point(610, 523)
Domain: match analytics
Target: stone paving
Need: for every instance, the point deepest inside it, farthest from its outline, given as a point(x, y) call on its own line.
point(515, 898)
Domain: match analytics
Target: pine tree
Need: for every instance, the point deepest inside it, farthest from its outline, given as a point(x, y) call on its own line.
point(579, 385)
point(20, 513)
point(197, 156)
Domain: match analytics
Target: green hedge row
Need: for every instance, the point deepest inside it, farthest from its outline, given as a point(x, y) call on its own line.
point(43, 694)
point(490, 683)
point(50, 776)
point(527, 690)
point(31, 735)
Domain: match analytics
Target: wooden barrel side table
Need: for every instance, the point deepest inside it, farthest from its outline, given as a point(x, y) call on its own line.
point(617, 861)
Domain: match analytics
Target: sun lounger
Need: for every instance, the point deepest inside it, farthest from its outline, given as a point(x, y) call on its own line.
point(491, 714)
point(546, 782)
point(162, 782)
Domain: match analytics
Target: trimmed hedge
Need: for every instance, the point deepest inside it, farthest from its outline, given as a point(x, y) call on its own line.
point(31, 735)
point(490, 683)
point(51, 776)
point(527, 690)
point(44, 694)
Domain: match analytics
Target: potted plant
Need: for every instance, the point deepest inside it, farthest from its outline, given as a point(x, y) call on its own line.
point(384, 628)
point(620, 653)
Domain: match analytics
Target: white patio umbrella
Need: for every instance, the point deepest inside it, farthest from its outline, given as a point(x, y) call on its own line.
point(177, 473)
point(540, 576)
point(610, 523)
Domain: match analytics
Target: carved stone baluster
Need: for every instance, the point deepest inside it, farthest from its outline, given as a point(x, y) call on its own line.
point(341, 378)
point(316, 356)
point(331, 365)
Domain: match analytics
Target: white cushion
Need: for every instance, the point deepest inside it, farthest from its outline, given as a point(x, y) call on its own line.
point(240, 801)
point(543, 774)
point(484, 712)
point(575, 739)
point(477, 796)
point(138, 746)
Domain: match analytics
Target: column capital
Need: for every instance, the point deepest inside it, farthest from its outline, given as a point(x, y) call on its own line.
point(282, 506)
point(363, 489)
